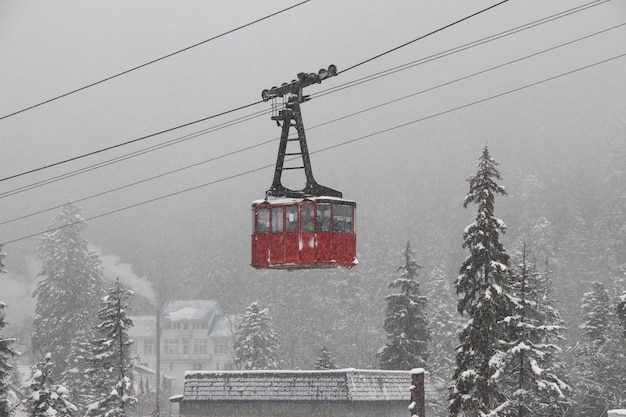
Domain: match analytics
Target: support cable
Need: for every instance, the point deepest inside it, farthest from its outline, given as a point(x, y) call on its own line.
point(108, 148)
point(237, 121)
point(133, 154)
point(155, 60)
point(238, 108)
point(421, 37)
point(461, 48)
point(412, 122)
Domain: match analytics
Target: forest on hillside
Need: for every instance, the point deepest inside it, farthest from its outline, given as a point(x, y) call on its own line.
point(572, 220)
point(580, 243)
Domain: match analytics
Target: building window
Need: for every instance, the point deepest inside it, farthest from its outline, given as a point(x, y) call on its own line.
point(220, 348)
point(277, 220)
point(186, 345)
point(197, 366)
point(200, 346)
point(149, 347)
point(170, 347)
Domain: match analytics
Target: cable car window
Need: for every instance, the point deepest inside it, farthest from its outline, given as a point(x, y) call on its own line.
point(342, 218)
point(323, 218)
point(292, 218)
point(308, 218)
point(277, 220)
point(263, 221)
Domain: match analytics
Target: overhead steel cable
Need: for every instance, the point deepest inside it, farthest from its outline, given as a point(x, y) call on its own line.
point(238, 108)
point(108, 148)
point(367, 136)
point(140, 152)
point(142, 181)
point(422, 37)
point(461, 48)
point(155, 60)
point(311, 127)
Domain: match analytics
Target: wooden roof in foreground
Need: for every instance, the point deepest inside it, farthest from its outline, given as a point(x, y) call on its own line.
point(333, 385)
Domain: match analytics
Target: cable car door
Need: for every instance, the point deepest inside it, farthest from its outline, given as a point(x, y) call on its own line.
point(292, 235)
point(307, 234)
point(277, 250)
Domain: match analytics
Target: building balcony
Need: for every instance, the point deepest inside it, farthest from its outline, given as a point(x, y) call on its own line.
point(186, 357)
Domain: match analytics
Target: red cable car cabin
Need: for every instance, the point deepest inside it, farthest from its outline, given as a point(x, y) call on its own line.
point(294, 233)
point(308, 228)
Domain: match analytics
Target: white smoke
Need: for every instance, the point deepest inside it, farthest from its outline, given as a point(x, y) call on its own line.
point(16, 290)
point(113, 268)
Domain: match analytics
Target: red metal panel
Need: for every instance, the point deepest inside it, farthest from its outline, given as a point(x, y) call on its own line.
point(310, 245)
point(276, 247)
point(344, 248)
point(324, 247)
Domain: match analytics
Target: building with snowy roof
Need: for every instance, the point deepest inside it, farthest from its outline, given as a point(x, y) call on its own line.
point(278, 393)
point(195, 334)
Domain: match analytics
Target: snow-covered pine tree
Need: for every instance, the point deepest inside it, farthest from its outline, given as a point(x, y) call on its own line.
point(483, 297)
point(525, 365)
point(70, 286)
point(2, 256)
point(406, 324)
point(255, 341)
point(444, 325)
point(548, 305)
point(621, 312)
point(595, 309)
point(6, 354)
point(111, 359)
point(590, 390)
point(45, 398)
point(325, 360)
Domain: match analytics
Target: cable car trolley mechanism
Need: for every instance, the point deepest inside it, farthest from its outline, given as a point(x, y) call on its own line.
point(301, 229)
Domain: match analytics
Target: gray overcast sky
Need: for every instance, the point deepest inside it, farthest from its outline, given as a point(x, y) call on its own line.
point(50, 48)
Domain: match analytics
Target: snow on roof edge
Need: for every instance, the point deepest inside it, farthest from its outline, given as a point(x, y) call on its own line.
point(294, 371)
point(291, 200)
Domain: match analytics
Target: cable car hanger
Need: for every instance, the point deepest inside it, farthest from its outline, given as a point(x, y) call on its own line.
point(300, 229)
point(291, 116)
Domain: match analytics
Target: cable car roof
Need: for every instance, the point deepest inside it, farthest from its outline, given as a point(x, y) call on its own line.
point(290, 200)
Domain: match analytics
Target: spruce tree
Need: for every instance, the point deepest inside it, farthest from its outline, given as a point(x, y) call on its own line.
point(406, 324)
point(45, 398)
point(481, 287)
point(6, 354)
point(599, 357)
point(111, 361)
point(526, 367)
point(444, 325)
point(325, 360)
point(70, 286)
point(621, 313)
point(255, 341)
point(548, 305)
point(2, 256)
